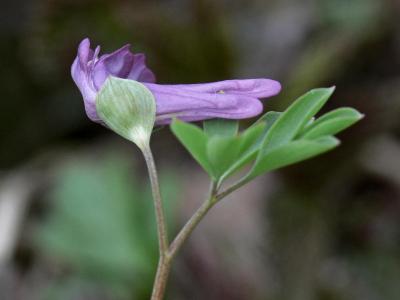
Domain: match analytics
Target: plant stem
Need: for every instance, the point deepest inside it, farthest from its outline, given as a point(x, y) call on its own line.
point(164, 263)
point(168, 252)
point(231, 189)
point(160, 282)
point(193, 221)
point(158, 205)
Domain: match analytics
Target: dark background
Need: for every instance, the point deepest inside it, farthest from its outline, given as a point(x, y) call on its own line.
point(76, 220)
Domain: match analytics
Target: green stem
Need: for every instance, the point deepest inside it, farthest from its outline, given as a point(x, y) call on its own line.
point(168, 252)
point(231, 189)
point(160, 282)
point(158, 205)
point(164, 263)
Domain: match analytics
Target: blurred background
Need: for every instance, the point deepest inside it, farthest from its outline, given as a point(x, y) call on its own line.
point(76, 219)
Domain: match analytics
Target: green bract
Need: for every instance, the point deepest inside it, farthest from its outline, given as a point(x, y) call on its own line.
point(274, 141)
point(128, 108)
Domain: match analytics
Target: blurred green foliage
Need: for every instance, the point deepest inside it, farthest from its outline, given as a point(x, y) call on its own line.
point(102, 223)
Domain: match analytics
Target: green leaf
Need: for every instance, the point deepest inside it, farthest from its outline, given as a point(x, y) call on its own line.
point(251, 140)
point(269, 118)
point(291, 153)
point(291, 122)
point(246, 152)
point(332, 123)
point(195, 141)
point(222, 152)
point(222, 127)
point(128, 108)
point(251, 137)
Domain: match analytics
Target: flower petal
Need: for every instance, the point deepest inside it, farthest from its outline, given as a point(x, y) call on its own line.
point(80, 78)
point(120, 62)
point(259, 88)
point(85, 54)
point(140, 71)
point(123, 64)
point(187, 105)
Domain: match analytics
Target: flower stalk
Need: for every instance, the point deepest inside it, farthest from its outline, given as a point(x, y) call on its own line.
point(158, 205)
point(164, 263)
point(167, 252)
point(160, 282)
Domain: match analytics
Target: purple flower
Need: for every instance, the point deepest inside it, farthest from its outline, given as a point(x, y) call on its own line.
point(230, 99)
